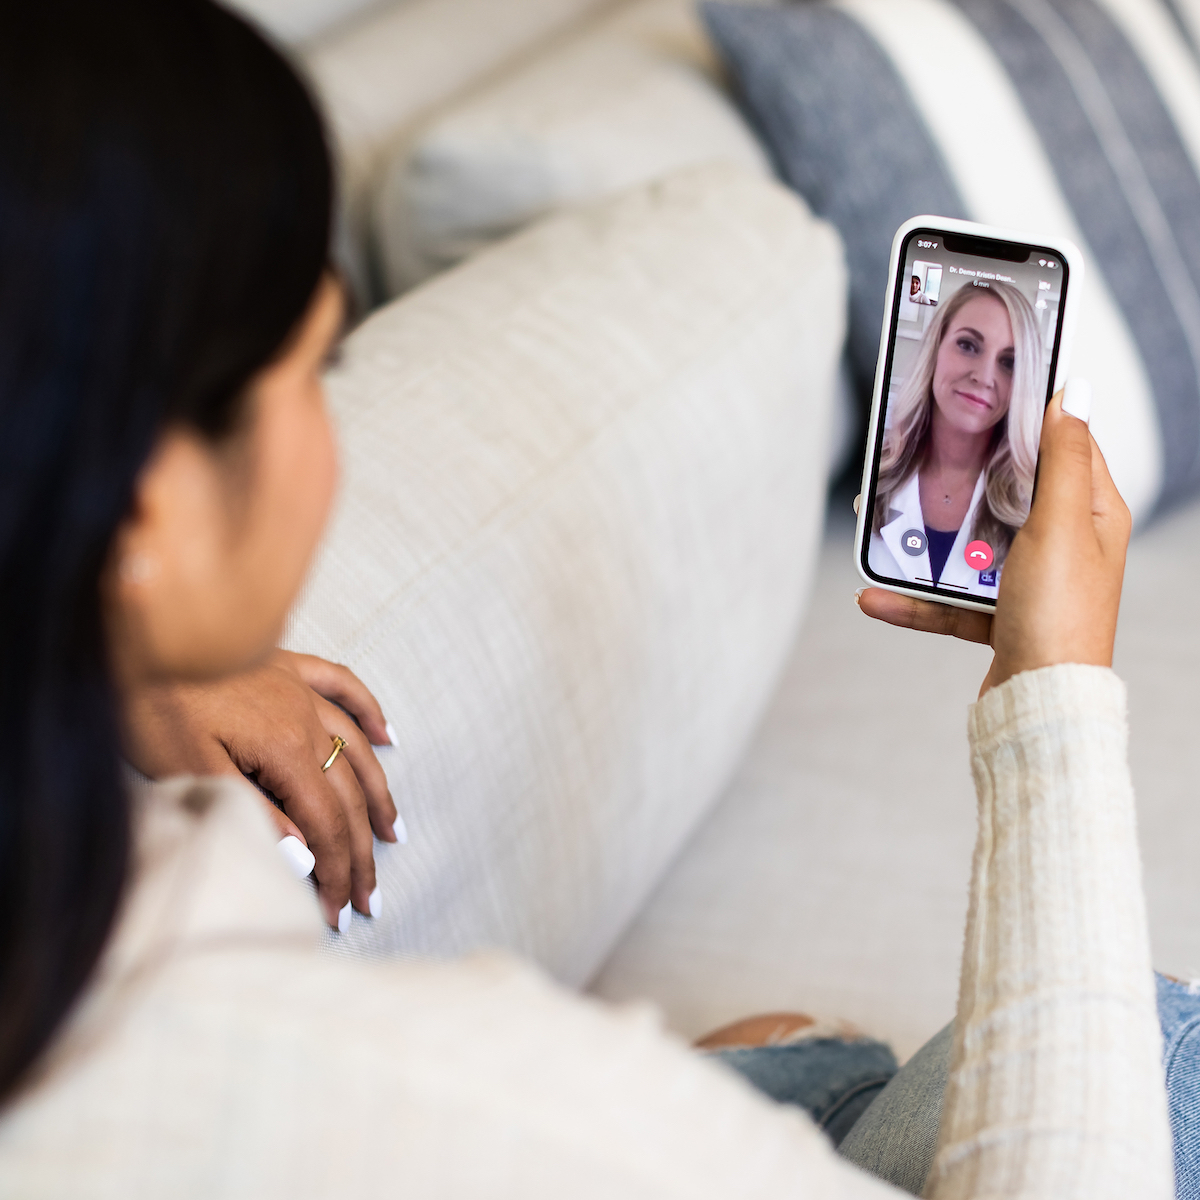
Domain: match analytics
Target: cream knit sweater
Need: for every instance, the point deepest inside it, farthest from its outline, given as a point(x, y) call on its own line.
point(218, 1055)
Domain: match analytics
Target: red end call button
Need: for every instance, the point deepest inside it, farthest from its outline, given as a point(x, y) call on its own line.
point(979, 556)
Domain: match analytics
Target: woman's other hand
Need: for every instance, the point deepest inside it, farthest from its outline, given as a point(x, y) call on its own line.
point(1061, 584)
point(277, 723)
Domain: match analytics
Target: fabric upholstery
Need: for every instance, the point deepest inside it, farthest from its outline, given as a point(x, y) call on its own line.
point(848, 825)
point(583, 483)
point(1186, 15)
point(379, 75)
point(625, 102)
point(1071, 117)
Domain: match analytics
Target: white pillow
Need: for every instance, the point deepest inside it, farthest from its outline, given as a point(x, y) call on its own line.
point(584, 481)
point(381, 74)
point(625, 103)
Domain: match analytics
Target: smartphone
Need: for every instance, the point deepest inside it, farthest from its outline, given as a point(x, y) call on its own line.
point(976, 338)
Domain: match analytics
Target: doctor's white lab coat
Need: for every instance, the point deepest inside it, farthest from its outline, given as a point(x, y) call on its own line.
point(888, 558)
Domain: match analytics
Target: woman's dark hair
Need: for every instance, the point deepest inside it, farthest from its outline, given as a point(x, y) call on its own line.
point(165, 195)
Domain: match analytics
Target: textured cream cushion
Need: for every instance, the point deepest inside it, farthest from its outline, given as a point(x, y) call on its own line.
point(583, 488)
point(381, 74)
point(628, 101)
point(849, 824)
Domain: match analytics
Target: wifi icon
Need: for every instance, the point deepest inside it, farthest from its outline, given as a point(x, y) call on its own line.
point(1041, 262)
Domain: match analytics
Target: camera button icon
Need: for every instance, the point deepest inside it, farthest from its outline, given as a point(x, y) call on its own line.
point(913, 541)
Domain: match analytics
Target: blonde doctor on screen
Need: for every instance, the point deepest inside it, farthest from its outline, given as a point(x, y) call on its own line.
point(960, 450)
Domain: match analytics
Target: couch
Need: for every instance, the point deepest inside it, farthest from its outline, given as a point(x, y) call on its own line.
point(592, 550)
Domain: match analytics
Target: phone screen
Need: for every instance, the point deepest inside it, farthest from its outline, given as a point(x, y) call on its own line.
point(972, 349)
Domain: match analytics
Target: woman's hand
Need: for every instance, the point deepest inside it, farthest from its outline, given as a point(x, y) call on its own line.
point(277, 723)
point(1061, 584)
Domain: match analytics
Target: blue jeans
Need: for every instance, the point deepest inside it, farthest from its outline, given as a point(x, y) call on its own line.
point(895, 1135)
point(1179, 1014)
point(833, 1080)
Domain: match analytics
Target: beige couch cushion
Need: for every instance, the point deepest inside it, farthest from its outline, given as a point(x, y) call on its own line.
point(583, 485)
point(832, 876)
point(630, 100)
point(379, 75)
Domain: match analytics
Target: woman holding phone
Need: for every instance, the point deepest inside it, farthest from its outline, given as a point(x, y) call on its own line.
point(960, 448)
point(167, 1026)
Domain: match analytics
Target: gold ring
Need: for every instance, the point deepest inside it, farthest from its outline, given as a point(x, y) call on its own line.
point(339, 744)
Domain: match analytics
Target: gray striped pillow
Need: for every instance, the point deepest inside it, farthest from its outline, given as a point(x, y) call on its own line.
point(1071, 117)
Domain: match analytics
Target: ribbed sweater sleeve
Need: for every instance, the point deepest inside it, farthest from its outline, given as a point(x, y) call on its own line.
point(1056, 1088)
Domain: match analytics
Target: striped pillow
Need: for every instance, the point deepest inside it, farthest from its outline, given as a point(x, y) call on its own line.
point(1186, 15)
point(1071, 117)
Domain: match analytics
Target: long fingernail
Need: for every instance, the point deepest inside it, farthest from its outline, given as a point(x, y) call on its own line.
point(299, 857)
point(858, 596)
point(857, 503)
point(391, 733)
point(1077, 399)
point(375, 903)
point(401, 830)
point(344, 918)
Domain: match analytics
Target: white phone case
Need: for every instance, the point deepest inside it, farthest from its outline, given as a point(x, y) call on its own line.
point(1071, 255)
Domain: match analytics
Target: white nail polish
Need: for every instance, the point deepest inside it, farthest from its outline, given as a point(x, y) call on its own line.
point(375, 903)
point(401, 831)
point(344, 919)
point(299, 857)
point(391, 732)
point(857, 503)
point(1077, 399)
